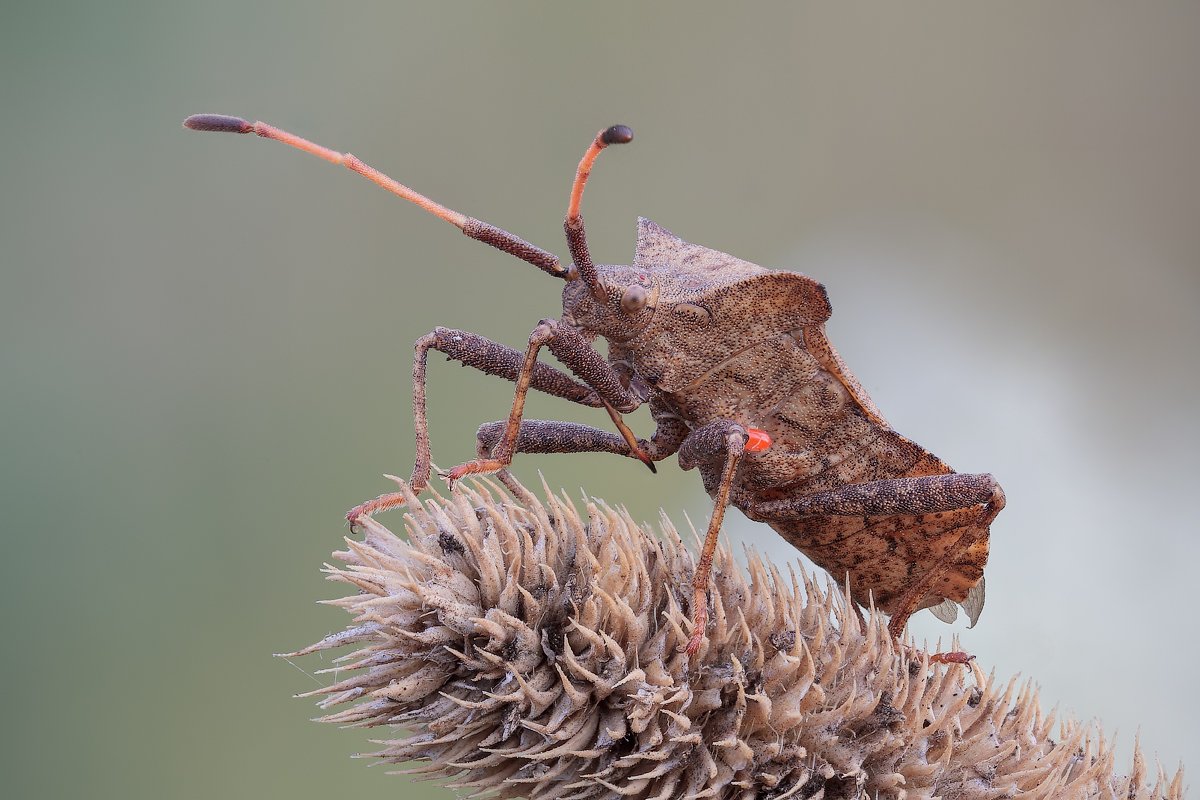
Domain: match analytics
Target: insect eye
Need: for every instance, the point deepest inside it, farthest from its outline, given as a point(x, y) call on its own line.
point(633, 300)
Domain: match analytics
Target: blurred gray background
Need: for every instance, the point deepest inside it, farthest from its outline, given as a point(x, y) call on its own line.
point(205, 340)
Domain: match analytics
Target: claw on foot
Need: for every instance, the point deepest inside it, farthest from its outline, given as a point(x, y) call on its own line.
point(480, 466)
point(645, 459)
point(635, 447)
point(372, 507)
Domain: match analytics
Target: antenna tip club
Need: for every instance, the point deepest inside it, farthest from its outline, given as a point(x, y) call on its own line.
point(217, 122)
point(617, 134)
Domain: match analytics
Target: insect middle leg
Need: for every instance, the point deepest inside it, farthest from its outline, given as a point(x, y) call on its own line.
point(552, 436)
point(724, 441)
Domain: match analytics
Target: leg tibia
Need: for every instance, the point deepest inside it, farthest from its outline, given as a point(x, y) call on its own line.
point(721, 441)
point(908, 542)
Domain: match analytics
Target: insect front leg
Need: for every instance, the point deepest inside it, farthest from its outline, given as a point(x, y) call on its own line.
point(587, 364)
point(487, 356)
point(724, 441)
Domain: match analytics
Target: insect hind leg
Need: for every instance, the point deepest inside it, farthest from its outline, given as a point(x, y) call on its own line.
point(911, 533)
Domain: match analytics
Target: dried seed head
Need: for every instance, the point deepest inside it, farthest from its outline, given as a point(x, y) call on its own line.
point(523, 651)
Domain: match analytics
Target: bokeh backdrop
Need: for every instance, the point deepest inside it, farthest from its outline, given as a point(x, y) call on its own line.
point(205, 340)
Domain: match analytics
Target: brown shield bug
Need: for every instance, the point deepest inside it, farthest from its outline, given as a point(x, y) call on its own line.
point(742, 383)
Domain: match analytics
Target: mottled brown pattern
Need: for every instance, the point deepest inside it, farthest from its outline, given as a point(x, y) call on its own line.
point(748, 347)
point(718, 344)
point(715, 344)
point(552, 436)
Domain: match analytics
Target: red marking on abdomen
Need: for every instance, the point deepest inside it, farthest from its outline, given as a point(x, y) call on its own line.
point(757, 440)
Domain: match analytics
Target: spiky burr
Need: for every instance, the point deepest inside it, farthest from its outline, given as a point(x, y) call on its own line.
point(523, 650)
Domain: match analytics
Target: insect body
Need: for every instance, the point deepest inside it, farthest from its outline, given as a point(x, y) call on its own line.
point(743, 385)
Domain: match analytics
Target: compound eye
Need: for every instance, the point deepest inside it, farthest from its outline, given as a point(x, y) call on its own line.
point(633, 300)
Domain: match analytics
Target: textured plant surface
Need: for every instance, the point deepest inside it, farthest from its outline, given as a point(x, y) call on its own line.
point(524, 651)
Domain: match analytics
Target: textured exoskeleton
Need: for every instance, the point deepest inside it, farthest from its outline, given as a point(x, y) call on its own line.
point(742, 383)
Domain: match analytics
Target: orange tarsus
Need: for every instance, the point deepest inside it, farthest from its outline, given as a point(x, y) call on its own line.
point(699, 621)
point(370, 508)
point(479, 466)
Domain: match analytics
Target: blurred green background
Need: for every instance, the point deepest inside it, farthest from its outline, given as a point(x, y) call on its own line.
point(205, 340)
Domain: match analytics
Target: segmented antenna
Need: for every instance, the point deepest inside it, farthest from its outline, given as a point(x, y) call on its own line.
point(475, 229)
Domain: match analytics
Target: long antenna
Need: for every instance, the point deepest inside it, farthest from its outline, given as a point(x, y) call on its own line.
point(475, 229)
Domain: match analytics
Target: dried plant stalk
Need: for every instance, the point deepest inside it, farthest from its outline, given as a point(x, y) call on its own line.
point(523, 651)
